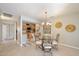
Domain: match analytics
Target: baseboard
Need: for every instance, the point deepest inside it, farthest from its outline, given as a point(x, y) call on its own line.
point(69, 46)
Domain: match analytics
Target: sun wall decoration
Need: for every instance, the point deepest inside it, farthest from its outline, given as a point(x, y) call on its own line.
point(70, 28)
point(58, 25)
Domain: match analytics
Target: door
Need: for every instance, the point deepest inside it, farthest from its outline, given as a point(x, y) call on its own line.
point(4, 32)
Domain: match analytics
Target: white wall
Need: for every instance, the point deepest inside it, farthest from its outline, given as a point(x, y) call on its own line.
point(69, 38)
point(30, 20)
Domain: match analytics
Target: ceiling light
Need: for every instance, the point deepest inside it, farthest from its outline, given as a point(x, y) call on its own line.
point(5, 16)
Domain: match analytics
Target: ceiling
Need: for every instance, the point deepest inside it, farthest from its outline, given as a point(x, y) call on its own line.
point(36, 10)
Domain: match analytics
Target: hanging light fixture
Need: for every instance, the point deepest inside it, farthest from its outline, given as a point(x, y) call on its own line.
point(46, 18)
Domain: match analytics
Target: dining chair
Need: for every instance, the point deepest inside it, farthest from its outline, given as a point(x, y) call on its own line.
point(55, 41)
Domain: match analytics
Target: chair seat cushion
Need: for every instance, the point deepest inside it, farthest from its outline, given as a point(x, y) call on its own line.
point(47, 47)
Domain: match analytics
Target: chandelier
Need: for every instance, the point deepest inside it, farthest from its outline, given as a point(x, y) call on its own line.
point(46, 18)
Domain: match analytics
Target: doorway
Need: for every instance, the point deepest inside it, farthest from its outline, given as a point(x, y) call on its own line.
point(4, 32)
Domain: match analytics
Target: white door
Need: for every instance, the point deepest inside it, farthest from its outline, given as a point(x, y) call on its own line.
point(4, 32)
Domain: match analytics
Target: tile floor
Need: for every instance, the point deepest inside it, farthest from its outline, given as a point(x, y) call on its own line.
point(13, 49)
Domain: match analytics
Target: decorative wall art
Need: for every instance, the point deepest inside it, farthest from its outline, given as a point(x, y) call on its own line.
point(58, 24)
point(37, 27)
point(70, 28)
point(24, 26)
